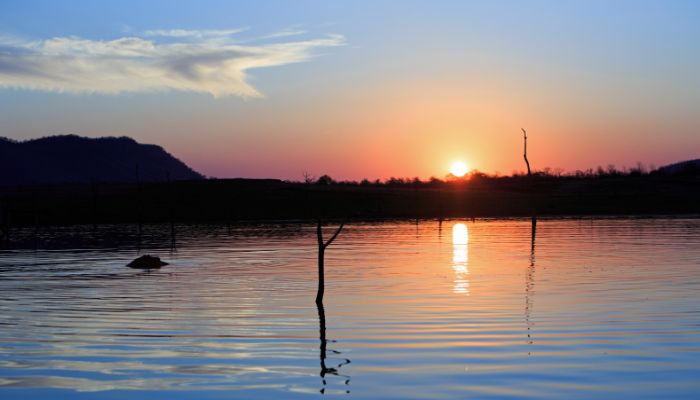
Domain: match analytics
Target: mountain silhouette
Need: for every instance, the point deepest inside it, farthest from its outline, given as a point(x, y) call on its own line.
point(689, 167)
point(76, 159)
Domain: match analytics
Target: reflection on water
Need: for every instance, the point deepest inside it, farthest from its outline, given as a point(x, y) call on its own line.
point(460, 257)
point(323, 354)
point(530, 283)
point(614, 314)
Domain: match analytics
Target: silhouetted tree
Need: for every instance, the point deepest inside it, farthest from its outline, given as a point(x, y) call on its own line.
point(325, 180)
point(308, 177)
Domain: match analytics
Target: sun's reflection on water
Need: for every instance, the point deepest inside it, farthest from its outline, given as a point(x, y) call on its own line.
point(460, 257)
point(234, 315)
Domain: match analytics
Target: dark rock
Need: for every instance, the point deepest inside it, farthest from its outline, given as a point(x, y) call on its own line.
point(146, 262)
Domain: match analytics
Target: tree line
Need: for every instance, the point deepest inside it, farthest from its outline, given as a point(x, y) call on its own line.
point(610, 171)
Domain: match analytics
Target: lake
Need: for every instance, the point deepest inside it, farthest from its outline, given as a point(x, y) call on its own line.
point(591, 308)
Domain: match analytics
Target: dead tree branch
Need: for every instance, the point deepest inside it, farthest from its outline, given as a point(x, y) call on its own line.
point(525, 151)
point(321, 254)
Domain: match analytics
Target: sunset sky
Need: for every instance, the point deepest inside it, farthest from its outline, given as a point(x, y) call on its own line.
point(360, 89)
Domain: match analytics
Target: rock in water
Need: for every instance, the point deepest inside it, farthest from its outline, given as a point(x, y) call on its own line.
point(146, 262)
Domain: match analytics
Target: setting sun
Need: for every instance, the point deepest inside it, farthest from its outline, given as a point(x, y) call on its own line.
point(459, 168)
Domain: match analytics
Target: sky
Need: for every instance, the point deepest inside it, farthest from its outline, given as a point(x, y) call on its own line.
point(360, 89)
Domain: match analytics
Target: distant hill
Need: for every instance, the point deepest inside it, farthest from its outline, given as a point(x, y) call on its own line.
point(75, 159)
point(690, 167)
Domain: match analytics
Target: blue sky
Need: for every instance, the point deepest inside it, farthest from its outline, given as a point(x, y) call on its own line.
point(385, 88)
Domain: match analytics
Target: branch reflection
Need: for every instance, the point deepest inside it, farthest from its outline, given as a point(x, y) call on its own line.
point(530, 283)
point(325, 370)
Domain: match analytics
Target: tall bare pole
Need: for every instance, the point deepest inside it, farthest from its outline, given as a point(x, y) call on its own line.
point(525, 151)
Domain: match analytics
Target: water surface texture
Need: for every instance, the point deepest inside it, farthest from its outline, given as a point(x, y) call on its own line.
point(591, 308)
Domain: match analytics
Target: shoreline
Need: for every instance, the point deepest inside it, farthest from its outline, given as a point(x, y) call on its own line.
point(236, 201)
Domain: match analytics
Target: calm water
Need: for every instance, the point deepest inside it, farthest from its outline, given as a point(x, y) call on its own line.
point(599, 308)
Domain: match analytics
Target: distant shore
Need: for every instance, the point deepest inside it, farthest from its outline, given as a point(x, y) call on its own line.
point(227, 201)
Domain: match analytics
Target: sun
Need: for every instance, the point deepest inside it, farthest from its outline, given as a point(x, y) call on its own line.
point(459, 168)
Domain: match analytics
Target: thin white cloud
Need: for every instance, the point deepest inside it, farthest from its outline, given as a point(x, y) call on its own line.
point(181, 33)
point(198, 61)
point(285, 33)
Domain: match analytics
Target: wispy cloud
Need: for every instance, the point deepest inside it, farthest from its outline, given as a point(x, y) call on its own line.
point(180, 33)
point(284, 33)
point(207, 61)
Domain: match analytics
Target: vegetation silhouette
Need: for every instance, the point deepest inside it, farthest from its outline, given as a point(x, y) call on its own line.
point(235, 201)
point(145, 189)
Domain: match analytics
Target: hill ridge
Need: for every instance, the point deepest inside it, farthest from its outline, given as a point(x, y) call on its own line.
point(76, 159)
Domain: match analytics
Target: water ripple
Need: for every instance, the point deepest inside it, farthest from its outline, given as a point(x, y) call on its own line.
point(592, 308)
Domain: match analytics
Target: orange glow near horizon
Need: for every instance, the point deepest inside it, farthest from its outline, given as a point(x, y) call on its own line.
point(354, 136)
